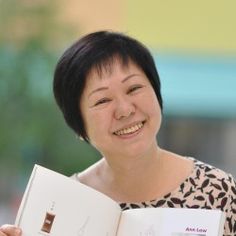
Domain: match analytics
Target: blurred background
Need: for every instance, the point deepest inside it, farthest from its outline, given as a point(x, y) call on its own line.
point(194, 45)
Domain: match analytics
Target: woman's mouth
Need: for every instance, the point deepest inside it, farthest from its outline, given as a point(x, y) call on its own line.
point(130, 130)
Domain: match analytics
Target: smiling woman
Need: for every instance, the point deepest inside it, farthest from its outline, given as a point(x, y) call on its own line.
point(114, 108)
point(108, 89)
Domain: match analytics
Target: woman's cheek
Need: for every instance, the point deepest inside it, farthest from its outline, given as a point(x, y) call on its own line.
point(97, 121)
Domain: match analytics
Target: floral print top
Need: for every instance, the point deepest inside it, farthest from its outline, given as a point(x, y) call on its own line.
point(208, 188)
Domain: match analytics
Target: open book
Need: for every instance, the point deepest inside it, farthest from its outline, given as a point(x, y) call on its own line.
point(56, 205)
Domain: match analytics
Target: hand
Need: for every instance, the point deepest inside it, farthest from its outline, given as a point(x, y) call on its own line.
point(10, 230)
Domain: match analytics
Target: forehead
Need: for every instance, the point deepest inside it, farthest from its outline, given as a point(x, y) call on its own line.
point(107, 68)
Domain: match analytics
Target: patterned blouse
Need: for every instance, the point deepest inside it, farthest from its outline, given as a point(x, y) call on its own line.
point(207, 187)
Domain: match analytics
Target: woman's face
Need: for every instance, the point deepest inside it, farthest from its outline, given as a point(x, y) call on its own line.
point(120, 110)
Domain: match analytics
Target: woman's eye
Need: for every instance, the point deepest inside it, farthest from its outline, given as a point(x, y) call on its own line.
point(102, 101)
point(134, 88)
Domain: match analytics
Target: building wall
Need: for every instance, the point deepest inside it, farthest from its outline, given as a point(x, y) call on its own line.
point(169, 25)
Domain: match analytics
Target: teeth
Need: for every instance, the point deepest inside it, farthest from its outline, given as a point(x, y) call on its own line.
point(130, 129)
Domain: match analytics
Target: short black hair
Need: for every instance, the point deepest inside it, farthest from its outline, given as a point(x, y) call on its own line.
point(96, 50)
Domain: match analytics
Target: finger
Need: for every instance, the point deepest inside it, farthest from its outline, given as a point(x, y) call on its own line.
point(1, 233)
point(10, 230)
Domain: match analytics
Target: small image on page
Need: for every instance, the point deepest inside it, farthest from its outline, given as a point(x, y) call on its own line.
point(184, 234)
point(48, 221)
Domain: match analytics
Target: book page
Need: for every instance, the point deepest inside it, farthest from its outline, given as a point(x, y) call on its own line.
point(56, 205)
point(192, 222)
point(140, 222)
point(171, 222)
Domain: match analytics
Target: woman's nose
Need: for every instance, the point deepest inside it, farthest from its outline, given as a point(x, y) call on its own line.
point(124, 108)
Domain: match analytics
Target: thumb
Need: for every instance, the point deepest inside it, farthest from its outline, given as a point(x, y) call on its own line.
point(11, 230)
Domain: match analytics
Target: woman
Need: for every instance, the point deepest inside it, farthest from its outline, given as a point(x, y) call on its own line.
point(108, 89)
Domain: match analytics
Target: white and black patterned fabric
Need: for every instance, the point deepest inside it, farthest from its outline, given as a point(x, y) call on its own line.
point(208, 188)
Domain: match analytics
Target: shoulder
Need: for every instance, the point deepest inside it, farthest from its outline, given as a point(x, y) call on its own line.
point(219, 187)
point(207, 171)
point(89, 175)
point(216, 184)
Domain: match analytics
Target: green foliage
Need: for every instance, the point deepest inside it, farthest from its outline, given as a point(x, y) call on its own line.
point(32, 129)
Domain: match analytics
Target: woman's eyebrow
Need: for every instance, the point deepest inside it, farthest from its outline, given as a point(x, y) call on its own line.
point(105, 88)
point(97, 90)
point(129, 77)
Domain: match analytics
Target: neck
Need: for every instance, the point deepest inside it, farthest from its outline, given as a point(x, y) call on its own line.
point(129, 162)
point(138, 179)
point(124, 180)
